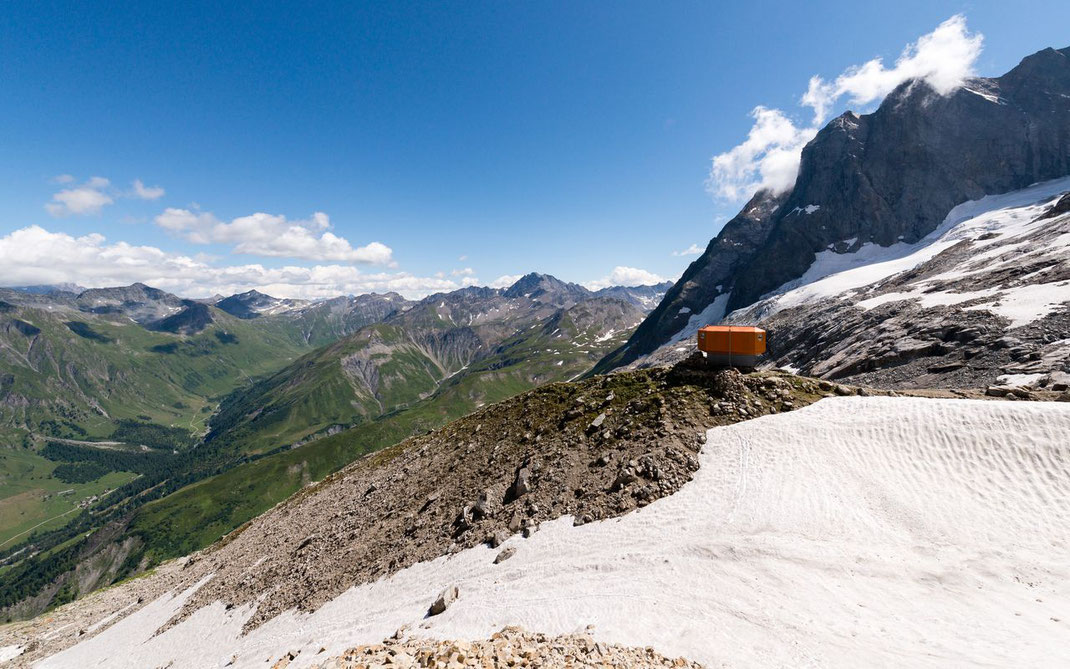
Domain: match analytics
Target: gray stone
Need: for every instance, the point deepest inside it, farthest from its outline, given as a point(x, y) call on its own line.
point(498, 538)
point(516, 522)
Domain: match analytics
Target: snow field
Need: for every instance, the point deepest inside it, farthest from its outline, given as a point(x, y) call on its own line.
point(1009, 214)
point(860, 531)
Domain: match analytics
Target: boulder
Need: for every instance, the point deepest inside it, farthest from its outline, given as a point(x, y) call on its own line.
point(522, 484)
point(498, 538)
point(443, 601)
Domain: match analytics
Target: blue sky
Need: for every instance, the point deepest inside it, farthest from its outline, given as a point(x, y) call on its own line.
point(469, 140)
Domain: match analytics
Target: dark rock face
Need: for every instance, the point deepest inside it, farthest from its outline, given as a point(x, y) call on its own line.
point(887, 334)
point(884, 177)
point(194, 318)
point(1061, 207)
point(244, 305)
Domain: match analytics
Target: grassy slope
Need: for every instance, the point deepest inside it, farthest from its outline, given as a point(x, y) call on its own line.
point(53, 378)
point(128, 370)
point(199, 514)
point(316, 391)
point(31, 496)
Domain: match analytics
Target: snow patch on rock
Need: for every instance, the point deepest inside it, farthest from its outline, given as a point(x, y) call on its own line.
point(982, 222)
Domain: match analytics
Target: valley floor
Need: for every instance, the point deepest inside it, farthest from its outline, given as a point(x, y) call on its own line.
point(859, 531)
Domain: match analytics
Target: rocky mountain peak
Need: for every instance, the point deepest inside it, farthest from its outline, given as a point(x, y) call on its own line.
point(1045, 70)
point(142, 304)
point(194, 318)
point(546, 288)
point(253, 304)
point(882, 178)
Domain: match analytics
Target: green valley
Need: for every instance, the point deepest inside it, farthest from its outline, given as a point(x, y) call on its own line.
point(155, 425)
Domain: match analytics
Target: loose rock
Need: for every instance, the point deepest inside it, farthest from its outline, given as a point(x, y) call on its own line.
point(443, 601)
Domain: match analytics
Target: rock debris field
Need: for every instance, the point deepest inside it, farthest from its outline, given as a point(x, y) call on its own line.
point(511, 647)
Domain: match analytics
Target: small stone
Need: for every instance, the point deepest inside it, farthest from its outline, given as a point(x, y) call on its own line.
point(498, 538)
point(522, 485)
point(505, 554)
point(516, 522)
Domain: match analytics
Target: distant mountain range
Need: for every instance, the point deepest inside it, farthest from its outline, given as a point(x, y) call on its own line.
point(72, 365)
point(319, 321)
point(104, 354)
point(539, 329)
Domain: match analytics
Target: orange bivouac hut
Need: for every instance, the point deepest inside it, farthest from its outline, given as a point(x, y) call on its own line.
point(732, 345)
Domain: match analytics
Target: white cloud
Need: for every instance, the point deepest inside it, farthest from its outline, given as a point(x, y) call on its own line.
point(467, 271)
point(505, 280)
point(34, 255)
point(274, 236)
point(86, 199)
point(625, 276)
point(693, 250)
point(769, 158)
point(93, 195)
point(943, 58)
point(143, 192)
point(194, 226)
